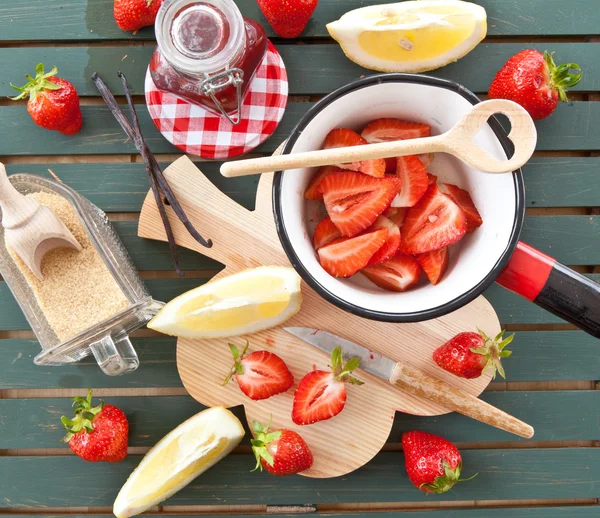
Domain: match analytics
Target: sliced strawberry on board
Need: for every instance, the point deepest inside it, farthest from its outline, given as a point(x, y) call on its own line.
point(392, 243)
point(259, 375)
point(313, 191)
point(390, 165)
point(433, 223)
point(354, 200)
point(346, 256)
point(321, 394)
point(434, 264)
point(396, 214)
point(325, 233)
point(344, 137)
point(398, 274)
point(465, 202)
point(386, 129)
point(431, 178)
point(413, 181)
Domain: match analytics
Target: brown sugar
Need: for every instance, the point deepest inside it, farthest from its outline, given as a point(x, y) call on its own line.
point(78, 290)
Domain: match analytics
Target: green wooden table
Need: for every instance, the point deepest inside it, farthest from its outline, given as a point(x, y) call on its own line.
point(551, 376)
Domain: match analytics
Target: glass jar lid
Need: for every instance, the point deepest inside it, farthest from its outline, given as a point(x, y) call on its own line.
point(200, 37)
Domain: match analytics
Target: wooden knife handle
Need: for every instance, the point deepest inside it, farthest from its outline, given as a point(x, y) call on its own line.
point(419, 383)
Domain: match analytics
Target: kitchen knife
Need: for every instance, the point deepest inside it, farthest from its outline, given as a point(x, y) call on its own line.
point(415, 381)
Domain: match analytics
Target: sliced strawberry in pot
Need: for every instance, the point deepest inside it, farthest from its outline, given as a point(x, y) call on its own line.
point(413, 181)
point(325, 233)
point(344, 137)
point(386, 129)
point(313, 191)
point(396, 214)
point(353, 200)
point(392, 243)
point(433, 223)
point(431, 178)
point(434, 264)
point(465, 202)
point(346, 256)
point(390, 165)
point(400, 273)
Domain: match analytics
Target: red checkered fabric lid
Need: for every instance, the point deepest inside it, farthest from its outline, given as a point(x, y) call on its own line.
point(199, 132)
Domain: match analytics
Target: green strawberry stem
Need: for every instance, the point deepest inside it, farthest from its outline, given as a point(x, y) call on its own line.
point(342, 372)
point(260, 441)
point(444, 482)
point(84, 415)
point(237, 368)
point(37, 84)
point(494, 351)
point(560, 76)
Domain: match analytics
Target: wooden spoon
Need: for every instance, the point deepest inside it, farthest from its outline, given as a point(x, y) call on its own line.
point(457, 141)
point(30, 228)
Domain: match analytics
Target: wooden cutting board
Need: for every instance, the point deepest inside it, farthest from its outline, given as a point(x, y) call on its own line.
point(246, 239)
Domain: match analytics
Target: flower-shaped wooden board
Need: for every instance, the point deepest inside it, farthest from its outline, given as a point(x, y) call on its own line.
point(246, 239)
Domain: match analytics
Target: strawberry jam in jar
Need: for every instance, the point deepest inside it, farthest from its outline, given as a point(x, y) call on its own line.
point(207, 54)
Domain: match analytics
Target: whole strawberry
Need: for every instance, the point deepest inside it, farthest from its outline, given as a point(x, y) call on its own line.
point(259, 375)
point(433, 464)
point(132, 15)
point(288, 17)
point(534, 81)
point(97, 434)
point(53, 102)
point(281, 453)
point(469, 354)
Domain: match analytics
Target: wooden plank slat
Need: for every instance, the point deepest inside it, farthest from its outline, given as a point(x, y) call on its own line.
point(537, 356)
point(122, 187)
point(69, 20)
point(555, 416)
point(503, 474)
point(312, 69)
point(511, 308)
point(102, 135)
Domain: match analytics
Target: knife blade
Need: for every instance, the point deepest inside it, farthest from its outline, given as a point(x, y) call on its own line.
point(415, 381)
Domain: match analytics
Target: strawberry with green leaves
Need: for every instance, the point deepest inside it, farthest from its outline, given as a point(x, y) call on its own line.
point(96, 433)
point(281, 453)
point(433, 464)
point(53, 102)
point(321, 394)
point(469, 354)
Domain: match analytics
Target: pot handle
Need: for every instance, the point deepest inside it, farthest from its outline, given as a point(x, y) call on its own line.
point(554, 287)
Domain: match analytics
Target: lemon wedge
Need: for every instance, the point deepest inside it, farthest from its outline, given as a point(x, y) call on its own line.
point(413, 36)
point(178, 458)
point(245, 302)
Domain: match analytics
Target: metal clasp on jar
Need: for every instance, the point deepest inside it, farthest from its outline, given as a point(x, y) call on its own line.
point(212, 84)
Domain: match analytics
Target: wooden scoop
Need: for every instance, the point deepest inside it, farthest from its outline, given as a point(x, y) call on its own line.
point(457, 141)
point(30, 228)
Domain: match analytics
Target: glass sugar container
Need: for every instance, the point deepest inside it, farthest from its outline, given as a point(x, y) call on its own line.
point(207, 54)
point(120, 299)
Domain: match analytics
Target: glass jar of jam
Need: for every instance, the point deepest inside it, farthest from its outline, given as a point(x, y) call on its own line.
point(207, 53)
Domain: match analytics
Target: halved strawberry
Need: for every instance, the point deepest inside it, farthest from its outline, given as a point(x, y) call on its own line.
point(431, 178)
point(353, 200)
point(313, 191)
point(465, 202)
point(320, 394)
point(413, 181)
point(434, 264)
point(259, 375)
point(344, 137)
point(383, 130)
point(346, 256)
point(398, 274)
point(396, 214)
point(392, 243)
point(325, 232)
point(433, 223)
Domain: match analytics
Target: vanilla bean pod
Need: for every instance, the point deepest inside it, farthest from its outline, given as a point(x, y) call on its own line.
point(114, 108)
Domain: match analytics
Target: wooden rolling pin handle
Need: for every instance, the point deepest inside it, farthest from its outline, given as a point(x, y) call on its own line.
point(16, 208)
point(419, 383)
